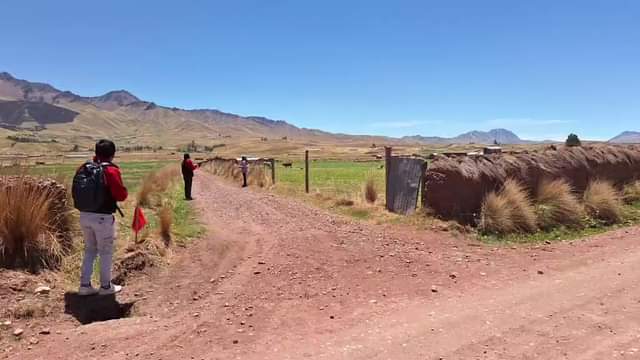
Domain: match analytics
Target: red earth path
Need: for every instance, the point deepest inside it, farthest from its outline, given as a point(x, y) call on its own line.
point(277, 279)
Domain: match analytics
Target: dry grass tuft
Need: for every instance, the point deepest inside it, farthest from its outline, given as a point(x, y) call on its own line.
point(155, 183)
point(631, 193)
point(496, 215)
point(30, 226)
point(370, 191)
point(166, 220)
point(557, 205)
point(603, 202)
point(344, 202)
point(508, 211)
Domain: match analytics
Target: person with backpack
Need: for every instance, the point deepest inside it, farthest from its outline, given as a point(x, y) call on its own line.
point(188, 167)
point(97, 187)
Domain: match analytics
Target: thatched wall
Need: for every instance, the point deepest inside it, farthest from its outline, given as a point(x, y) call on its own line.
point(455, 187)
point(259, 170)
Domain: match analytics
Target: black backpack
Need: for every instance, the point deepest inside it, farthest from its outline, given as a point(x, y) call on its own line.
point(89, 187)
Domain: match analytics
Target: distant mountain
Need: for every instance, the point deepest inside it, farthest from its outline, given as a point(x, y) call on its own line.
point(121, 114)
point(501, 136)
point(627, 137)
point(70, 118)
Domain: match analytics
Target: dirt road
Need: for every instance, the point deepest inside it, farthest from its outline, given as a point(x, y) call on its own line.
point(277, 279)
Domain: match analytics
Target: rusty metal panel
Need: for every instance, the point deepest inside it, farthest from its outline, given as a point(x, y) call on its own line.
point(403, 184)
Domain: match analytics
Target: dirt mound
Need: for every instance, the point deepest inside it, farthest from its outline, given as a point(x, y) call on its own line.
point(455, 187)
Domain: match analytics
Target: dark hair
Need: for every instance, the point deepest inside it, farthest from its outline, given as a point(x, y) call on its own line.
point(105, 149)
point(186, 156)
point(244, 158)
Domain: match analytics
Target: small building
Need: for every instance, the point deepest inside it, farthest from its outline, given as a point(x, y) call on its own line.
point(492, 150)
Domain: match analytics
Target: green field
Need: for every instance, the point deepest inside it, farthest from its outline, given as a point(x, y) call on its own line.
point(340, 179)
point(132, 172)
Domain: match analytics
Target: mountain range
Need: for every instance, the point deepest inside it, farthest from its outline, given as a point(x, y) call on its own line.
point(66, 118)
point(499, 136)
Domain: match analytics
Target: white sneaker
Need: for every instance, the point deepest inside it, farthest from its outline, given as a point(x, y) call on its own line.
point(113, 289)
point(87, 291)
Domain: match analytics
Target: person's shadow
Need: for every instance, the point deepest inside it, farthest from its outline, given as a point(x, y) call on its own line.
point(88, 309)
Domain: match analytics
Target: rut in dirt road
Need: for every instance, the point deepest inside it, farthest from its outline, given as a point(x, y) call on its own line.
point(278, 279)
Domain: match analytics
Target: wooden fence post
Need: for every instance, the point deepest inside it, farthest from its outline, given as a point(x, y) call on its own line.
point(306, 171)
point(273, 171)
point(387, 160)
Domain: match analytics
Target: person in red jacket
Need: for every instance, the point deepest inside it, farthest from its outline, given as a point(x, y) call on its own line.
point(99, 226)
point(188, 167)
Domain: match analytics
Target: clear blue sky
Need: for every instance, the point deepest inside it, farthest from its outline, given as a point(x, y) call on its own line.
point(542, 68)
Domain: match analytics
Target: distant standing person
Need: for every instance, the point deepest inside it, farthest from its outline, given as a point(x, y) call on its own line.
point(187, 174)
point(97, 187)
point(244, 166)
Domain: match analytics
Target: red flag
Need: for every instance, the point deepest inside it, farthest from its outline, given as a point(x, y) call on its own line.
point(139, 221)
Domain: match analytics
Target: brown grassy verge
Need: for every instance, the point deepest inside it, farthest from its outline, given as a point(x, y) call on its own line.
point(557, 205)
point(603, 202)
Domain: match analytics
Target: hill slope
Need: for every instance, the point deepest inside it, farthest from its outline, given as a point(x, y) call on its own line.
point(627, 137)
point(123, 116)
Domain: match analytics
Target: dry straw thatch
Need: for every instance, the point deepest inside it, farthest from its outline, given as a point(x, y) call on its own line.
point(456, 187)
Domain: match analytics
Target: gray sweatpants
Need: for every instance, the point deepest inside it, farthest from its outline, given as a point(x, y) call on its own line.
point(99, 235)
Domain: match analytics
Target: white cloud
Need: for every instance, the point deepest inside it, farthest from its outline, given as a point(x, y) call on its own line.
point(402, 124)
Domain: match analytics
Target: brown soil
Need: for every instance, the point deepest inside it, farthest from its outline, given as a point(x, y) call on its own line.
point(277, 279)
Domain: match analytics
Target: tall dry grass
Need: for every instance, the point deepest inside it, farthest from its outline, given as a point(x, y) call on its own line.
point(370, 191)
point(631, 193)
point(154, 183)
point(509, 210)
point(496, 215)
point(603, 202)
point(557, 205)
point(32, 233)
point(165, 216)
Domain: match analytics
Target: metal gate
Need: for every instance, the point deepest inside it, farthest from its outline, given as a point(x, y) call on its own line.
point(403, 183)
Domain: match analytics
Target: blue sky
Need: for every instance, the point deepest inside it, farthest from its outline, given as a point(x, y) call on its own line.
point(542, 68)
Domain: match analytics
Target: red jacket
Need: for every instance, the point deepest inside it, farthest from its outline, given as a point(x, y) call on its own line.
point(188, 167)
point(115, 184)
point(113, 178)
